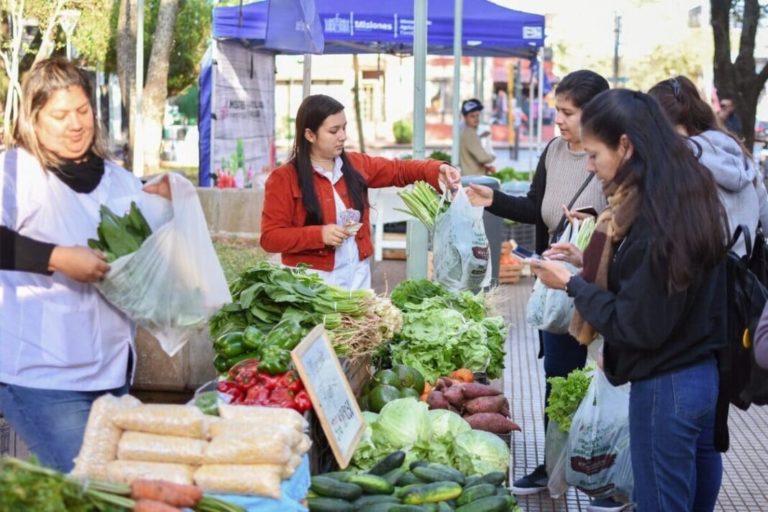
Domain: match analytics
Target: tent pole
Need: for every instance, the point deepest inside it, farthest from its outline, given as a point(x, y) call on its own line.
point(212, 134)
point(417, 235)
point(455, 110)
point(307, 79)
point(138, 151)
point(540, 119)
point(529, 138)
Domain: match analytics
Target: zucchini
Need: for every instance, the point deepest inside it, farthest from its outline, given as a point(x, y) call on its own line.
point(332, 488)
point(392, 461)
point(371, 484)
point(475, 493)
point(329, 505)
point(431, 474)
point(432, 493)
point(393, 476)
point(373, 499)
point(494, 478)
point(409, 478)
point(487, 504)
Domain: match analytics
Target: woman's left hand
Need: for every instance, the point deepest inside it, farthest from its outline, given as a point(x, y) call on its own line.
point(162, 188)
point(450, 176)
point(552, 273)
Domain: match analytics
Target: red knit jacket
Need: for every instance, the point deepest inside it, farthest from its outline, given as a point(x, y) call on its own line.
point(283, 216)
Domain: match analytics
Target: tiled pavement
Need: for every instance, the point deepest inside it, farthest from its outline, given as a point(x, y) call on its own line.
point(745, 475)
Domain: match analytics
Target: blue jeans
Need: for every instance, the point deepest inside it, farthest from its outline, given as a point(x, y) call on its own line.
point(562, 355)
point(51, 422)
point(671, 428)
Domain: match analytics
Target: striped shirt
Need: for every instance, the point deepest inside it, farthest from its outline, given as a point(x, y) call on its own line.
point(566, 172)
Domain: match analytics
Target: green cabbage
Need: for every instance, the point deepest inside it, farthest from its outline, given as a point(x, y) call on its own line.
point(477, 452)
point(446, 425)
point(403, 423)
point(367, 453)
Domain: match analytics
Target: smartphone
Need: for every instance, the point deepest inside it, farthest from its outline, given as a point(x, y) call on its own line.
point(589, 210)
point(524, 253)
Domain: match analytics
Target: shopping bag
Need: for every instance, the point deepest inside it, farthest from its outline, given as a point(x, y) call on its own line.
point(548, 309)
point(460, 248)
point(598, 460)
point(174, 282)
point(555, 456)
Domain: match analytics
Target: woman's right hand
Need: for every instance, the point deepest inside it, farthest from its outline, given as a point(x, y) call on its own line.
point(81, 264)
point(565, 251)
point(479, 195)
point(334, 235)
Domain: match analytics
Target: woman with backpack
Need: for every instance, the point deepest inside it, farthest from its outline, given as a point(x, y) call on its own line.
point(653, 284)
point(739, 182)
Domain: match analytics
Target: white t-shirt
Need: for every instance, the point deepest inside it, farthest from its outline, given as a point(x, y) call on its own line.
point(56, 333)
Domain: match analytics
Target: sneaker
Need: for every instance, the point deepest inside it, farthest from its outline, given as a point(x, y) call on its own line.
point(532, 483)
point(607, 505)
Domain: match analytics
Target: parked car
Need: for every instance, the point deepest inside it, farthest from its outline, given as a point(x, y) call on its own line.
point(761, 130)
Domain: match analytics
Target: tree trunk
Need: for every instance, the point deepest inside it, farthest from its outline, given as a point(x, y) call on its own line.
point(126, 69)
point(46, 45)
point(356, 96)
point(10, 59)
point(156, 85)
point(738, 79)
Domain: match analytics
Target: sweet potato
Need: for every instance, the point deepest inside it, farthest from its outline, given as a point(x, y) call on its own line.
point(491, 422)
point(485, 404)
point(505, 409)
point(455, 396)
point(475, 390)
point(436, 400)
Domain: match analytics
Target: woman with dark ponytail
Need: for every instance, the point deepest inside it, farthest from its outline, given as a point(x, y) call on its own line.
point(316, 208)
point(653, 284)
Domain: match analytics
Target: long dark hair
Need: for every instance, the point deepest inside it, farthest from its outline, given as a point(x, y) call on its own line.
point(682, 104)
point(311, 115)
point(581, 86)
point(679, 196)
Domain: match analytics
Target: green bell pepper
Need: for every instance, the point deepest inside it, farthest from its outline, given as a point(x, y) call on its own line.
point(274, 360)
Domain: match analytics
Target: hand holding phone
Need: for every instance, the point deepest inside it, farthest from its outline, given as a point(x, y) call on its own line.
point(526, 254)
point(589, 210)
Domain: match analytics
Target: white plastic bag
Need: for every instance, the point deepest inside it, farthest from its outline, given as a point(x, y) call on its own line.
point(555, 452)
point(460, 248)
point(174, 282)
point(599, 461)
point(548, 309)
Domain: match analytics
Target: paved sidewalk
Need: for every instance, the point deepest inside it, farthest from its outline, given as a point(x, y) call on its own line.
point(745, 475)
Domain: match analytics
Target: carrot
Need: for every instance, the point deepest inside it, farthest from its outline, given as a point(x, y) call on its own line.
point(153, 506)
point(463, 374)
point(166, 492)
point(427, 390)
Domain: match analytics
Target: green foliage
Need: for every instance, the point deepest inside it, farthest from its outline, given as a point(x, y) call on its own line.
point(567, 394)
point(187, 102)
point(440, 155)
point(510, 174)
point(403, 132)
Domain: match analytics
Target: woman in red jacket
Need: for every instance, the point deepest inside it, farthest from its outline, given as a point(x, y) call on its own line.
point(316, 208)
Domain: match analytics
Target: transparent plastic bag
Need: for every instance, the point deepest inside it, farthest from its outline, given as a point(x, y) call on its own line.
point(266, 448)
point(126, 471)
point(100, 442)
point(269, 416)
point(555, 450)
point(174, 282)
point(145, 447)
point(461, 253)
point(164, 419)
point(599, 461)
point(548, 309)
point(261, 480)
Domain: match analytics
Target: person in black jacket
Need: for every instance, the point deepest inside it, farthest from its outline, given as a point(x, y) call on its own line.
point(560, 175)
point(22, 253)
point(653, 284)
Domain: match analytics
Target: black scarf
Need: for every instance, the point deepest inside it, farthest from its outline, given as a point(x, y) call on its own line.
point(82, 177)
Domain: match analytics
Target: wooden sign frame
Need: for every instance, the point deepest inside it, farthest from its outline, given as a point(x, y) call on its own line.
point(317, 344)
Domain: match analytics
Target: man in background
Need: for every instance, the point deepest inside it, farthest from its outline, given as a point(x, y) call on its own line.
point(728, 116)
point(474, 159)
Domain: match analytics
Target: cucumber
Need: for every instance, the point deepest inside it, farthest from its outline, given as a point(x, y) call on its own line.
point(432, 493)
point(443, 506)
point(487, 504)
point(392, 461)
point(377, 507)
point(472, 480)
point(458, 476)
point(409, 478)
point(329, 505)
point(375, 499)
point(417, 464)
point(338, 475)
point(401, 491)
point(431, 474)
point(371, 484)
point(393, 476)
point(407, 508)
point(494, 478)
point(332, 488)
point(475, 493)
point(430, 507)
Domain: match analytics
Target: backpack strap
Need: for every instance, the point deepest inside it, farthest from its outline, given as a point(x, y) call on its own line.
point(561, 225)
point(741, 229)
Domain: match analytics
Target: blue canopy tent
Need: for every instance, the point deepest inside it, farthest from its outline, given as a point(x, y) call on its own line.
point(352, 26)
point(255, 30)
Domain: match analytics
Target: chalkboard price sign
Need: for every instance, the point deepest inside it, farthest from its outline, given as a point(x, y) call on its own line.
point(330, 393)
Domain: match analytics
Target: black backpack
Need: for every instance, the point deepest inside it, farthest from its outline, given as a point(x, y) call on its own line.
point(745, 382)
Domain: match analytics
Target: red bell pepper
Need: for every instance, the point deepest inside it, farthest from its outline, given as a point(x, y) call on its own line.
point(282, 397)
point(302, 401)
